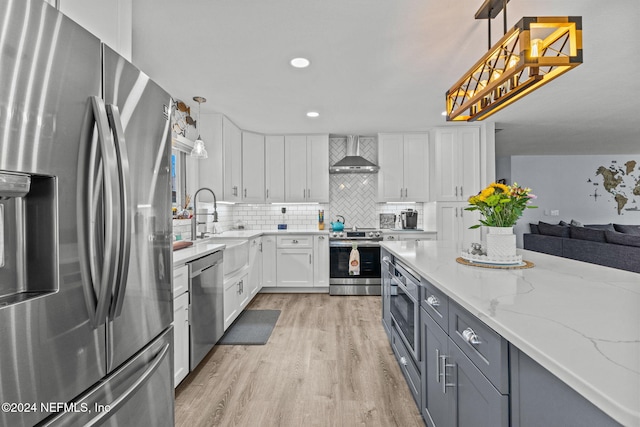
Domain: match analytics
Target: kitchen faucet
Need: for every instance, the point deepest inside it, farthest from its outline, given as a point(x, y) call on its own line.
point(194, 220)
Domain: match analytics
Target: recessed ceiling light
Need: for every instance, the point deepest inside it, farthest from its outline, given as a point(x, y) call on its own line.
point(300, 62)
point(313, 114)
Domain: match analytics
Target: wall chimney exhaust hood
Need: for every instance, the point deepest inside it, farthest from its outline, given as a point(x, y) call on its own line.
point(353, 162)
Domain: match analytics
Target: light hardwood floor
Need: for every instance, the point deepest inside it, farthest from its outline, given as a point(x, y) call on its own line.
point(327, 363)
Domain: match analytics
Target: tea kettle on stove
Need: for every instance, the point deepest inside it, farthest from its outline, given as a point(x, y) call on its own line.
point(409, 219)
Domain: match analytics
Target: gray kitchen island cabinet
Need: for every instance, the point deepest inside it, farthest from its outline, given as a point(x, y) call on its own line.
point(553, 345)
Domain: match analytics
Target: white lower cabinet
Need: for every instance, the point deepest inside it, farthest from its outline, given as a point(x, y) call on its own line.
point(180, 338)
point(255, 267)
point(295, 267)
point(269, 261)
point(180, 323)
point(321, 261)
point(236, 296)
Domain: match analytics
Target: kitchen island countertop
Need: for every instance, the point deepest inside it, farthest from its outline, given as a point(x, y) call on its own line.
point(579, 321)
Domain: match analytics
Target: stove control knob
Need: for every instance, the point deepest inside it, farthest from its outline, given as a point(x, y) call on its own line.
point(371, 234)
point(377, 234)
point(341, 234)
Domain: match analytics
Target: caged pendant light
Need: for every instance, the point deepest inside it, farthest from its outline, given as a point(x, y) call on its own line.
point(199, 151)
point(535, 51)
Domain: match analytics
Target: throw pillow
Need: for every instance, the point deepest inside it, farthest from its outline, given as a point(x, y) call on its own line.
point(584, 233)
point(562, 223)
point(622, 238)
point(627, 229)
point(576, 223)
point(534, 228)
point(553, 230)
point(608, 227)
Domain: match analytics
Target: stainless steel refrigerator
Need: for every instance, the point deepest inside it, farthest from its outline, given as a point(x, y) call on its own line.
point(85, 227)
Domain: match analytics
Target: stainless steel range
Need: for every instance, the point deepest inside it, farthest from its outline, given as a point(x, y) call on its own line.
point(368, 245)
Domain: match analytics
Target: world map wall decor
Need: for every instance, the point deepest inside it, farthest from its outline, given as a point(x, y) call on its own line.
point(622, 181)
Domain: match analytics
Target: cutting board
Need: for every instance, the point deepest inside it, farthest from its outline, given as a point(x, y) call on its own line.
point(181, 245)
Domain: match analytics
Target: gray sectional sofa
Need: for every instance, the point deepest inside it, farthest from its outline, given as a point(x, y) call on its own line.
point(611, 245)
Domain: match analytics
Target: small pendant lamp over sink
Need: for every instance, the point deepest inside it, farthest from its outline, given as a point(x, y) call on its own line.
point(199, 151)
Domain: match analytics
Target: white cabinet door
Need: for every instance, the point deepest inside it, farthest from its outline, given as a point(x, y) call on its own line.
point(253, 167)
point(454, 222)
point(269, 260)
point(274, 168)
point(391, 162)
point(404, 167)
point(232, 148)
point(321, 261)
point(180, 280)
point(457, 163)
point(255, 267)
point(318, 168)
point(416, 167)
point(295, 267)
point(231, 301)
point(295, 171)
point(469, 142)
point(244, 293)
point(180, 338)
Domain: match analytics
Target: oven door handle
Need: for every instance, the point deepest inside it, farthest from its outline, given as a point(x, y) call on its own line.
point(405, 289)
point(348, 244)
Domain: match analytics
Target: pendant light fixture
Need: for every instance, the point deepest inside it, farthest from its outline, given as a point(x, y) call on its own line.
point(199, 151)
point(534, 52)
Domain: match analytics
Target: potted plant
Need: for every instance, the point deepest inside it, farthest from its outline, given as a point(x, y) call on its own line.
point(500, 207)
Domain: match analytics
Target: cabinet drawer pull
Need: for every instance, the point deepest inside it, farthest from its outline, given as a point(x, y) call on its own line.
point(309, 258)
point(438, 365)
point(294, 241)
point(403, 361)
point(456, 191)
point(461, 193)
point(433, 301)
point(245, 193)
point(470, 336)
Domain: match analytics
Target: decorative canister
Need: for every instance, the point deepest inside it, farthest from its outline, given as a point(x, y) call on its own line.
point(501, 242)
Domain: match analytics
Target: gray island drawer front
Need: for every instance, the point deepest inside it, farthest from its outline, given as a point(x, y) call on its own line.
point(436, 303)
point(411, 373)
point(486, 349)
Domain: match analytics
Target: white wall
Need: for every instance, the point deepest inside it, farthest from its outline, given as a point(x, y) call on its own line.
point(562, 183)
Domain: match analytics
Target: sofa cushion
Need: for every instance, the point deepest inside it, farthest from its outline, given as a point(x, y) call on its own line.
point(585, 233)
point(601, 226)
point(622, 238)
point(627, 229)
point(534, 228)
point(553, 230)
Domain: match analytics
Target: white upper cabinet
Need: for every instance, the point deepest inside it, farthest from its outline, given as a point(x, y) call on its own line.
point(232, 154)
point(306, 168)
point(454, 222)
point(253, 164)
point(110, 21)
point(318, 168)
point(457, 163)
point(274, 168)
point(404, 167)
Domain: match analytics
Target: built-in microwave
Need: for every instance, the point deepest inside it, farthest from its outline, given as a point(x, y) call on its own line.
point(405, 306)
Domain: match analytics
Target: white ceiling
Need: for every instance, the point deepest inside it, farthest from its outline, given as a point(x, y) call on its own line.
point(385, 65)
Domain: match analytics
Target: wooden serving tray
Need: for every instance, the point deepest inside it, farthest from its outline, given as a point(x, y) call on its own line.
point(525, 264)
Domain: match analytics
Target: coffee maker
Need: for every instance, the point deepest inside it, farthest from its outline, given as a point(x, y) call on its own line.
point(409, 219)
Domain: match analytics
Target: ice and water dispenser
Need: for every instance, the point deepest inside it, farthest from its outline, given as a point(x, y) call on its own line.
point(28, 230)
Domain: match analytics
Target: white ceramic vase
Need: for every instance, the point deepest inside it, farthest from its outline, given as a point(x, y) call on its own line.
point(501, 242)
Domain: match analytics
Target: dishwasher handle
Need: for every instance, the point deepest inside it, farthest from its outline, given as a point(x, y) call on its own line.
point(196, 267)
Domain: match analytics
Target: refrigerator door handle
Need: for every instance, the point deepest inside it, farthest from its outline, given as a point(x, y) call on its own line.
point(102, 174)
point(131, 391)
point(124, 250)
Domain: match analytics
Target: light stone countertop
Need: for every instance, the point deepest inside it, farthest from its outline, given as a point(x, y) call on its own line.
point(579, 321)
point(206, 247)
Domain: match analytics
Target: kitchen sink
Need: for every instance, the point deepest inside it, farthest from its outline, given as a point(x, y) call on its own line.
point(236, 255)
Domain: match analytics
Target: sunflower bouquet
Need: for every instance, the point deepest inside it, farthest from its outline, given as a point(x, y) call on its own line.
point(501, 205)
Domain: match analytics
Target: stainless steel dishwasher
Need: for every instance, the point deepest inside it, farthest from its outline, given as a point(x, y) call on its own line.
point(206, 309)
